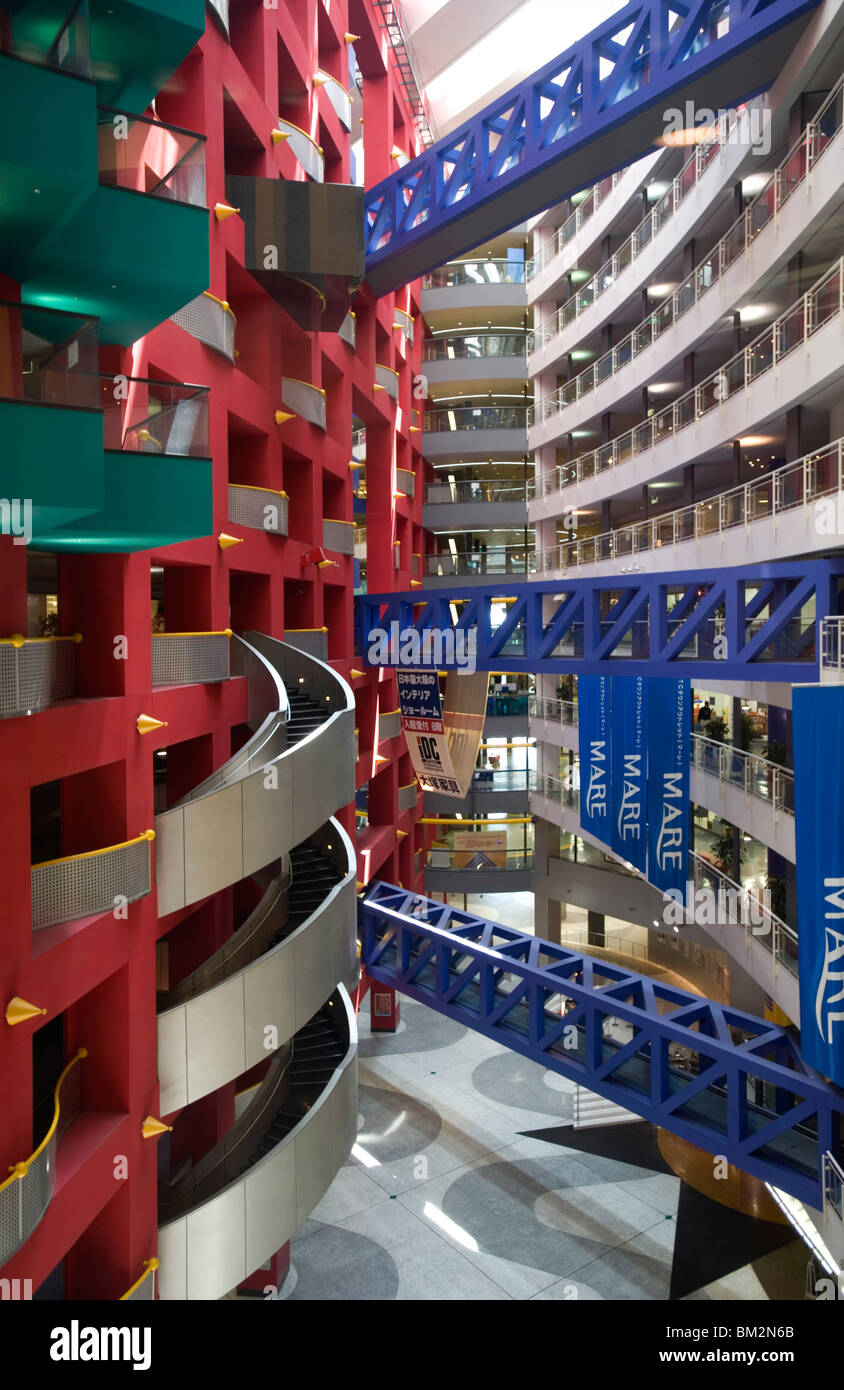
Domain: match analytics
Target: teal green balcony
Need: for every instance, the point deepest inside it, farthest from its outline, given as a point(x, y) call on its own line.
point(129, 47)
point(102, 213)
point(91, 462)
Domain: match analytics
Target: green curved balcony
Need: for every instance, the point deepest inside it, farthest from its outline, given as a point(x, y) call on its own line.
point(129, 47)
point(69, 434)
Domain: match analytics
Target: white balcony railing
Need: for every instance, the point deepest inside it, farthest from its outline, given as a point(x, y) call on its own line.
point(797, 485)
point(573, 224)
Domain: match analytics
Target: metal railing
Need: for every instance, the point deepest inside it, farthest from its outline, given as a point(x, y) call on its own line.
point(35, 672)
point(143, 1289)
point(562, 712)
point(639, 239)
point(82, 885)
point(495, 560)
point(190, 658)
point(833, 1186)
point(258, 508)
point(749, 772)
point(477, 345)
point(26, 1194)
point(154, 417)
point(832, 648)
point(55, 356)
point(480, 417)
point(764, 209)
point(479, 861)
point(146, 156)
point(819, 474)
point(792, 330)
point(475, 272)
point(749, 912)
point(572, 225)
point(552, 789)
point(68, 49)
point(505, 779)
point(477, 490)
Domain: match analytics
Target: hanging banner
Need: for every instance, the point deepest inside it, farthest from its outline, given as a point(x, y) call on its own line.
point(480, 849)
point(423, 727)
point(593, 705)
point(818, 726)
point(669, 744)
point(629, 764)
point(464, 714)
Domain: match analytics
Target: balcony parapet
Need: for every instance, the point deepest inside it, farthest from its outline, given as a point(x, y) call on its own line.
point(83, 885)
point(305, 148)
point(26, 1194)
point(211, 321)
point(259, 508)
point(35, 672)
point(190, 658)
point(305, 400)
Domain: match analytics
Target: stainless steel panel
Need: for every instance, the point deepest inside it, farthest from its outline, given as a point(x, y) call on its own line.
point(338, 536)
point(213, 848)
point(173, 1262)
point(270, 1204)
point(216, 1244)
point(216, 1050)
point(271, 820)
point(169, 851)
point(315, 1165)
point(269, 1000)
point(389, 725)
point(172, 1060)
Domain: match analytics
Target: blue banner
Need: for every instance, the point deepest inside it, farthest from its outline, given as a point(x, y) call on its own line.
point(669, 743)
point(629, 763)
point(593, 712)
point(818, 725)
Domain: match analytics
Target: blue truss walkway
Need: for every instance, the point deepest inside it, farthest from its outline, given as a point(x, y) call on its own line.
point(721, 1079)
point(752, 622)
point(594, 109)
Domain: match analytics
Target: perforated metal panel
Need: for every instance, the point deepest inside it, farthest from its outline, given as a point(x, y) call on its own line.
point(388, 379)
point(408, 797)
point(347, 329)
point(72, 888)
point(306, 400)
point(258, 509)
point(339, 536)
point(189, 658)
point(24, 1202)
point(305, 150)
point(405, 322)
point(208, 321)
point(144, 1293)
point(34, 676)
point(406, 482)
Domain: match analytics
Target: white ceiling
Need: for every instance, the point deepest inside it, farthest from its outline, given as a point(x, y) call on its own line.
point(468, 52)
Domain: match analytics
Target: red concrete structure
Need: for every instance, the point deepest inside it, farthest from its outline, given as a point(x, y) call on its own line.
point(78, 776)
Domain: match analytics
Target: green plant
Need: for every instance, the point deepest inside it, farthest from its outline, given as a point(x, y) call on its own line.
point(775, 753)
point(565, 688)
point(746, 732)
point(724, 851)
point(776, 888)
point(716, 729)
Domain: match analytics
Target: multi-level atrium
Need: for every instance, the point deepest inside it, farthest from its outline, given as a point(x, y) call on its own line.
point(421, 656)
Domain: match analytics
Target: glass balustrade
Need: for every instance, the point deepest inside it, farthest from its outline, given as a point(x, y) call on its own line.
point(147, 156)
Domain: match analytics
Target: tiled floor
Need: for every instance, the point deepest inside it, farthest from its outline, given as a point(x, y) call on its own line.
point(468, 1182)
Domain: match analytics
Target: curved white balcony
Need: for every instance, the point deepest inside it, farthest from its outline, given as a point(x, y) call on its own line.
point(211, 321)
point(475, 504)
point(271, 973)
point(273, 793)
point(221, 10)
point(387, 379)
point(476, 432)
point(255, 1190)
point(337, 95)
point(470, 358)
point(758, 244)
point(488, 283)
point(35, 672)
point(800, 355)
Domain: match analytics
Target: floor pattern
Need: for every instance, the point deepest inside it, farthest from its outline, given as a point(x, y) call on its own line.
point(468, 1182)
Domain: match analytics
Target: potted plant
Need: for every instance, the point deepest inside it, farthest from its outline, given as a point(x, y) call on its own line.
point(724, 852)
